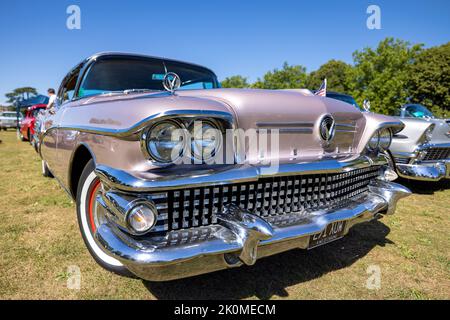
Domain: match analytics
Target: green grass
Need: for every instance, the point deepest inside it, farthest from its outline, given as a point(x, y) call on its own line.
point(40, 241)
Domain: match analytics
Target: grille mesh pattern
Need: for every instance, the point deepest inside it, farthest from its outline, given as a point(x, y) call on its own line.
point(437, 154)
point(180, 209)
point(401, 160)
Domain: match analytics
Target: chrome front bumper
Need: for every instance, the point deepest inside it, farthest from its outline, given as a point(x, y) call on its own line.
point(417, 167)
point(425, 171)
point(238, 238)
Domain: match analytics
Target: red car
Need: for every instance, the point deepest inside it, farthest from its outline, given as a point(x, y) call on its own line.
point(27, 126)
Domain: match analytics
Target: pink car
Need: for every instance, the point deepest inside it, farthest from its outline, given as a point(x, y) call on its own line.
point(174, 176)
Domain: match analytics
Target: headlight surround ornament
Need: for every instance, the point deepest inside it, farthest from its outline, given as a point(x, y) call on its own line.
point(206, 139)
point(165, 141)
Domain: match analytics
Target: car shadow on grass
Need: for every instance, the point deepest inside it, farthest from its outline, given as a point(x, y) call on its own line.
point(272, 275)
point(425, 187)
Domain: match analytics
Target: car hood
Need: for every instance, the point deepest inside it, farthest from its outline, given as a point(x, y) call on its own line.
point(296, 116)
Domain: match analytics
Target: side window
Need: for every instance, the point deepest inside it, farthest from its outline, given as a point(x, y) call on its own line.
point(67, 89)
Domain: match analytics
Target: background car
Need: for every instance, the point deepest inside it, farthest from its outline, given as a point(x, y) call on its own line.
point(422, 150)
point(27, 126)
point(8, 119)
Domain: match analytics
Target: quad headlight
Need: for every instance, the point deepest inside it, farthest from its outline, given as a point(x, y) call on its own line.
point(427, 135)
point(382, 138)
point(385, 138)
point(206, 139)
point(374, 141)
point(165, 141)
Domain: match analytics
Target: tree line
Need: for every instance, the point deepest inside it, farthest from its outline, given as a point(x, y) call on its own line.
point(392, 74)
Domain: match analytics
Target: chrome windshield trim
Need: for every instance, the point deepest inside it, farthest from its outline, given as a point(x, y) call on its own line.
point(149, 182)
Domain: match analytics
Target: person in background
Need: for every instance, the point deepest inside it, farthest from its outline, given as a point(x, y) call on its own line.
point(52, 98)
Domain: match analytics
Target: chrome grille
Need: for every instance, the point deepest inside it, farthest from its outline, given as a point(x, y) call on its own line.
point(437, 154)
point(402, 160)
point(182, 209)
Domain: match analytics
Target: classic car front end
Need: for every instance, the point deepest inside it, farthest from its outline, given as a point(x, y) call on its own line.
point(166, 208)
point(422, 150)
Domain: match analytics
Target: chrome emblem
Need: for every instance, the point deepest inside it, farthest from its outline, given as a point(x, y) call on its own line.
point(327, 128)
point(171, 81)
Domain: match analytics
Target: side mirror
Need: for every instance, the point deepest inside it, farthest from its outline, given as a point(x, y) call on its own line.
point(366, 105)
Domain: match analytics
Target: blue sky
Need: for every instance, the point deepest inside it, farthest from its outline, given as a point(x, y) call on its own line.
point(230, 37)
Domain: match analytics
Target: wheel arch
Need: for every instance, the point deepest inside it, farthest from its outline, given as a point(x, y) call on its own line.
point(80, 158)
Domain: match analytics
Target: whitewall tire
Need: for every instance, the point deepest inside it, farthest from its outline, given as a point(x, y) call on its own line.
point(89, 218)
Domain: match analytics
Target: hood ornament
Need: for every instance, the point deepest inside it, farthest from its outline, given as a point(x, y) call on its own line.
point(366, 105)
point(171, 81)
point(327, 128)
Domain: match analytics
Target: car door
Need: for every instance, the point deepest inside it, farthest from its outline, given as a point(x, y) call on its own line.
point(52, 119)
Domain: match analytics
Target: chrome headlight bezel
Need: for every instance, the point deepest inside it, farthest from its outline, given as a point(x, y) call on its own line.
point(152, 153)
point(427, 135)
point(152, 216)
point(213, 125)
point(384, 138)
point(374, 141)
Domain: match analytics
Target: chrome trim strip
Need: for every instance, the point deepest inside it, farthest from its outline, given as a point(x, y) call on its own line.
point(288, 130)
point(346, 125)
point(146, 181)
point(284, 124)
point(345, 131)
point(433, 145)
point(145, 122)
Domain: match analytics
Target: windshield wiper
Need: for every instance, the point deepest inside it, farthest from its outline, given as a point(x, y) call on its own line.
point(128, 91)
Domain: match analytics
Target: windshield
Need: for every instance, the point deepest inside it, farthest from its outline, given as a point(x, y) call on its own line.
point(119, 74)
point(343, 97)
point(10, 115)
point(417, 111)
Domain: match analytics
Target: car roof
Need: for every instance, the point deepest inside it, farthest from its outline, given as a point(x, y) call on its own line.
point(137, 55)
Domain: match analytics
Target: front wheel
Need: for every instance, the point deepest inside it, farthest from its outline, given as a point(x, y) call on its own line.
point(91, 215)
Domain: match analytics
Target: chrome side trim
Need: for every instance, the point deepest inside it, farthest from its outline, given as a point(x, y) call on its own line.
point(146, 181)
point(145, 122)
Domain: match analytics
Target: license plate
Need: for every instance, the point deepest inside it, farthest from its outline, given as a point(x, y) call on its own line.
point(332, 232)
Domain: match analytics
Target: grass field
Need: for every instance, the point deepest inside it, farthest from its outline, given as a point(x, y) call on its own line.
point(40, 240)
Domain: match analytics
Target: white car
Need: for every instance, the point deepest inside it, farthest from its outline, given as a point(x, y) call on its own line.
point(8, 119)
